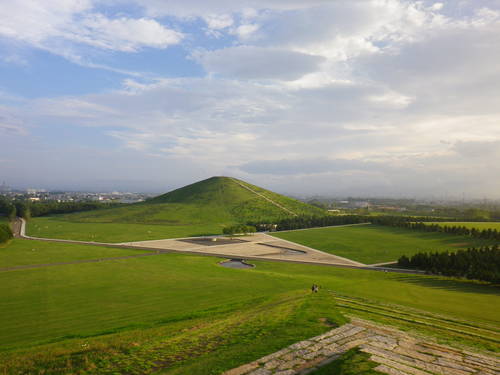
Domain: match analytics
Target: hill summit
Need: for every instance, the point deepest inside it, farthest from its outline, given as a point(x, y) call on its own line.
point(216, 200)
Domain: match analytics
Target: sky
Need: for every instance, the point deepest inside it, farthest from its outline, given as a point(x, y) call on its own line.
point(330, 97)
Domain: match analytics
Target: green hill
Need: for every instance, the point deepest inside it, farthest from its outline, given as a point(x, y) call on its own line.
point(221, 200)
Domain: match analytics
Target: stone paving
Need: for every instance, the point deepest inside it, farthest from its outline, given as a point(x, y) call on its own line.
point(258, 245)
point(395, 352)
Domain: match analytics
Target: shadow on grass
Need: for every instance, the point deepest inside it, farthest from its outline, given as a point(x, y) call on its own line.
point(437, 282)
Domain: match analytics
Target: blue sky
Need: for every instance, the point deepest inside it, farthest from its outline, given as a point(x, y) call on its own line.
point(366, 97)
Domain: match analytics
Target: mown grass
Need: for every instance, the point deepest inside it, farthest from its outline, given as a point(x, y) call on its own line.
point(471, 224)
point(57, 227)
point(23, 252)
point(88, 299)
point(202, 346)
point(375, 244)
point(185, 314)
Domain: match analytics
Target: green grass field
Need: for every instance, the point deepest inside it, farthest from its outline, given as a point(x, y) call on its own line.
point(178, 314)
point(21, 252)
point(472, 224)
point(371, 244)
point(58, 227)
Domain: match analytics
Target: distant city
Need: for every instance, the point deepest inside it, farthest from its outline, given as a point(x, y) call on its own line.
point(35, 195)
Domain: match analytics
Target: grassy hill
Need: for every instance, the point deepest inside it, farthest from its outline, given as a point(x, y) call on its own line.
point(197, 209)
point(214, 200)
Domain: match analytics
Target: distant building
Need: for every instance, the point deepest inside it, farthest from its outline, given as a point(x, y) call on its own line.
point(4, 188)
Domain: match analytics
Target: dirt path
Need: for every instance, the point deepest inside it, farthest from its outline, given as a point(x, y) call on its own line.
point(395, 352)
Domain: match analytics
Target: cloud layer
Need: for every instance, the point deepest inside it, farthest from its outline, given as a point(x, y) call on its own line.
point(370, 97)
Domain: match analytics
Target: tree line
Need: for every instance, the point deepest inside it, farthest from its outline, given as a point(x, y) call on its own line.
point(27, 209)
point(474, 263)
point(5, 233)
point(488, 234)
point(238, 229)
point(304, 221)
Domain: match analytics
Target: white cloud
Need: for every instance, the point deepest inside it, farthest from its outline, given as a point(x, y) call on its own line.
point(218, 21)
point(246, 31)
point(58, 25)
point(248, 62)
point(125, 34)
point(360, 96)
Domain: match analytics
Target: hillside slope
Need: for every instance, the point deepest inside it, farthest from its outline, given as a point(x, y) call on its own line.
point(221, 200)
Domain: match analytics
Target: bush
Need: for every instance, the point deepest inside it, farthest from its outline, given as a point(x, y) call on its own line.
point(5, 233)
point(239, 229)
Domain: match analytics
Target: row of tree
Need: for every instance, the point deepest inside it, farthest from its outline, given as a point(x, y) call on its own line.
point(302, 222)
point(489, 233)
point(27, 209)
point(49, 208)
point(5, 233)
point(478, 264)
point(238, 229)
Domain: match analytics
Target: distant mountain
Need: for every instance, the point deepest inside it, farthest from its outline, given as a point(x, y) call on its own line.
point(221, 200)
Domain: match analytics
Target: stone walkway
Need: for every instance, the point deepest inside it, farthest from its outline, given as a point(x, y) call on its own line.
point(395, 352)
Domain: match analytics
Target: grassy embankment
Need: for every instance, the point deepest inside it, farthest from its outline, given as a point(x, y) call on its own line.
point(371, 244)
point(198, 209)
point(181, 314)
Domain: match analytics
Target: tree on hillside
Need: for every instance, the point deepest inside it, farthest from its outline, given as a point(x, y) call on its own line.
point(238, 229)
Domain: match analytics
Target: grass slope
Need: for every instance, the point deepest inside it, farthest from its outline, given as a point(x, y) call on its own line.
point(89, 299)
point(197, 209)
point(183, 314)
point(23, 252)
point(374, 244)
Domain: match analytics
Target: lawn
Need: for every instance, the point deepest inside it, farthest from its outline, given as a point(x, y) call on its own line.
point(183, 314)
point(57, 227)
point(198, 209)
point(472, 224)
point(375, 244)
point(24, 252)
